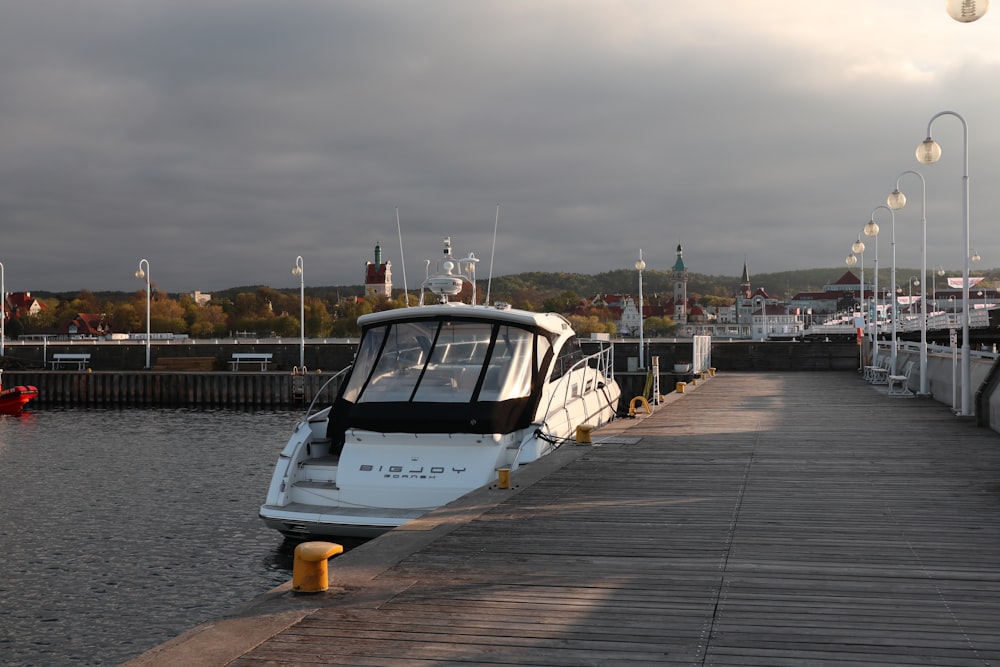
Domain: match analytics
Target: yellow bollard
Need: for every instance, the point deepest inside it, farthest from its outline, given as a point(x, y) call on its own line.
point(680, 387)
point(309, 569)
point(643, 401)
point(711, 372)
point(583, 434)
point(503, 478)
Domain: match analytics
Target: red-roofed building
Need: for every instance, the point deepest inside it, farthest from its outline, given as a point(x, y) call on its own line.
point(378, 276)
point(22, 304)
point(88, 325)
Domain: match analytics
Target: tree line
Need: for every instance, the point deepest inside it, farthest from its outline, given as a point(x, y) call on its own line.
point(333, 311)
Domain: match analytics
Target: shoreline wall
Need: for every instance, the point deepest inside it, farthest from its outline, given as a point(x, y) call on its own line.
point(116, 376)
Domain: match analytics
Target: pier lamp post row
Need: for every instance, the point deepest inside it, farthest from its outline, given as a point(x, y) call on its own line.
point(299, 271)
point(896, 201)
point(929, 152)
point(639, 266)
point(144, 274)
point(871, 231)
point(892, 282)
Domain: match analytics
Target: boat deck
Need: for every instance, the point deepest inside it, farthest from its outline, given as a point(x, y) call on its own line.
point(762, 519)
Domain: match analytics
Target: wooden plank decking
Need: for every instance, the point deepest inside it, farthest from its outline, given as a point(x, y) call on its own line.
point(763, 519)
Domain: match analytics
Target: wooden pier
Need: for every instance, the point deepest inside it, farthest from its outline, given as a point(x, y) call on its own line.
point(761, 519)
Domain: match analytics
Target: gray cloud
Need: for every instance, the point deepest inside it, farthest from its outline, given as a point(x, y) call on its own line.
point(221, 138)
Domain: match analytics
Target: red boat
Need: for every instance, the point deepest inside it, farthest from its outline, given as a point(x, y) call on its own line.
point(13, 399)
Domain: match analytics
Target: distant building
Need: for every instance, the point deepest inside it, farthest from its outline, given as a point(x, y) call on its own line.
point(743, 304)
point(754, 314)
point(200, 298)
point(680, 276)
point(824, 305)
point(774, 320)
point(378, 276)
point(629, 322)
point(761, 316)
point(88, 325)
point(22, 304)
point(689, 317)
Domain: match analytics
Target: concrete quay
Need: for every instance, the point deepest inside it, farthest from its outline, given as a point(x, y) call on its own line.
point(756, 519)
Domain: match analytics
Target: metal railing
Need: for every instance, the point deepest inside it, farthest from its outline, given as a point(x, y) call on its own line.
point(594, 366)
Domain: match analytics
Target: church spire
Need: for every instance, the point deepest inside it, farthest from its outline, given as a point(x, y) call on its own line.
point(745, 281)
point(679, 264)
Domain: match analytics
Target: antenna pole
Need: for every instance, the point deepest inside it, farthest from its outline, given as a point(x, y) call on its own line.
point(402, 262)
point(489, 282)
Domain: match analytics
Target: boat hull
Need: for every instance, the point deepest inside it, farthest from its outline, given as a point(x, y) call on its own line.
point(303, 522)
point(13, 400)
point(381, 481)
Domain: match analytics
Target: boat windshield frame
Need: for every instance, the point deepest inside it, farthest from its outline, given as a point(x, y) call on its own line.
point(446, 360)
point(445, 373)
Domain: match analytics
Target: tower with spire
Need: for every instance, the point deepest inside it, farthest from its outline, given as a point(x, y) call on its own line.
point(378, 276)
point(745, 291)
point(744, 301)
point(680, 277)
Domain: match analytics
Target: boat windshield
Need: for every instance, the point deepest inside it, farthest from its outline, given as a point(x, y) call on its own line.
point(444, 361)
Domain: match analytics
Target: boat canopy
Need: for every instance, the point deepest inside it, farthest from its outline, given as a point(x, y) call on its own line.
point(445, 374)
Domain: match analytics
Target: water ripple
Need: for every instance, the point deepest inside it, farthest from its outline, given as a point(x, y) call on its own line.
point(123, 528)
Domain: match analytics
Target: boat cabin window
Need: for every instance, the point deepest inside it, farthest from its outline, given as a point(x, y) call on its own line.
point(450, 361)
point(570, 354)
point(510, 368)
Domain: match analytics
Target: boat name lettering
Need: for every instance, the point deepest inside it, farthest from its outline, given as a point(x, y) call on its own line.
point(397, 471)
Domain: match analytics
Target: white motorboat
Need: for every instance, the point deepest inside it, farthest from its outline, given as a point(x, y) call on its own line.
point(439, 399)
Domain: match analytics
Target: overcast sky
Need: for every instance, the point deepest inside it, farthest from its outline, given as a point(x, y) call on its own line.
point(220, 139)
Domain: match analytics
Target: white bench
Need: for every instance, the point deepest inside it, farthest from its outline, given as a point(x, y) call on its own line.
point(79, 360)
point(879, 373)
point(899, 385)
point(261, 358)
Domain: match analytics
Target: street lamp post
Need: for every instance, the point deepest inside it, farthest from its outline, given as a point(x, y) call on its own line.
point(858, 248)
point(851, 260)
point(763, 310)
point(144, 274)
point(299, 271)
point(929, 152)
point(897, 200)
point(938, 271)
point(898, 303)
point(892, 279)
point(639, 266)
point(913, 280)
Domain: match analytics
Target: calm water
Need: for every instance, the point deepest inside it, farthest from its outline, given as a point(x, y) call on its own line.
point(122, 529)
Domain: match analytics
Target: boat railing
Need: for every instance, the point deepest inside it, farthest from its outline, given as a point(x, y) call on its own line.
point(312, 404)
point(594, 366)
